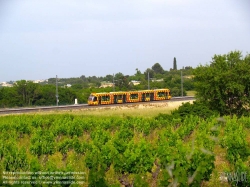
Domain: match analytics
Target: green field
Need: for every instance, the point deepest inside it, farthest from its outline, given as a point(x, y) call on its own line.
point(116, 150)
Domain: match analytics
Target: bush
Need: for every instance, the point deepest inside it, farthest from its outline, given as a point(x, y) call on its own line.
point(187, 109)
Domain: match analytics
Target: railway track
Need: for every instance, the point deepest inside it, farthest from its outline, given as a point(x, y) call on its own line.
point(81, 106)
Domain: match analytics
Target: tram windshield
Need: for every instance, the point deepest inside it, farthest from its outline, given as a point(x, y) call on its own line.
point(92, 98)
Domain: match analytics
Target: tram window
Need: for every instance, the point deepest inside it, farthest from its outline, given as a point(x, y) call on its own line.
point(95, 99)
point(161, 94)
point(147, 95)
point(134, 96)
point(105, 98)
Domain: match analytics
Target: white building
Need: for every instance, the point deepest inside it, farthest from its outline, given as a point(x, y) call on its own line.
point(5, 84)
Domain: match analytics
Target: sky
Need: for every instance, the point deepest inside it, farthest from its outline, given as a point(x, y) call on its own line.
point(40, 39)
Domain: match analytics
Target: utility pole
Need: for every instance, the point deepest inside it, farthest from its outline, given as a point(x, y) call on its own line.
point(56, 93)
point(113, 83)
point(148, 81)
point(181, 85)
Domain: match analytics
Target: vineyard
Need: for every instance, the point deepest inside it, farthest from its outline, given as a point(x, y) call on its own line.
point(127, 151)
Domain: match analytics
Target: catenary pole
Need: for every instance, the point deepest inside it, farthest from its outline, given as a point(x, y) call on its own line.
point(56, 92)
point(181, 85)
point(148, 81)
point(113, 83)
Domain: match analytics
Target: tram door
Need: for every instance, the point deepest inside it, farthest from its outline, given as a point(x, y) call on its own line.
point(124, 98)
point(115, 99)
point(143, 96)
point(151, 96)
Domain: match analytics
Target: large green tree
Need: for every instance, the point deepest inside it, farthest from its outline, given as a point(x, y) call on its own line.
point(157, 68)
point(26, 91)
point(225, 83)
point(9, 97)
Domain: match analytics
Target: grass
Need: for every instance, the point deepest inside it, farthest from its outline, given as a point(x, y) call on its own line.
point(191, 93)
point(140, 110)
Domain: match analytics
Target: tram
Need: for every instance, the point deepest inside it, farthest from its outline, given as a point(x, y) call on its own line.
point(107, 98)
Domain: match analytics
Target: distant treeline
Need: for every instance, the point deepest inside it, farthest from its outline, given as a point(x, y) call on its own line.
point(26, 93)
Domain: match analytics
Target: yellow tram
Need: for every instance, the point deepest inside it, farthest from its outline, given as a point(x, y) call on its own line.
point(107, 98)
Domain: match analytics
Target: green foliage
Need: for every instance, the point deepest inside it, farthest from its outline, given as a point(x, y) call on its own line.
point(75, 128)
point(65, 146)
point(15, 159)
point(121, 139)
point(95, 162)
point(187, 109)
point(26, 92)
point(177, 149)
point(157, 68)
point(224, 85)
point(34, 165)
point(99, 137)
point(172, 80)
point(188, 84)
point(131, 160)
point(235, 141)
point(42, 143)
point(176, 92)
point(241, 174)
point(196, 109)
point(140, 181)
point(8, 97)
point(186, 165)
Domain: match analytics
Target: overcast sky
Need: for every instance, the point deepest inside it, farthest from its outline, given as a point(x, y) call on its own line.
point(40, 39)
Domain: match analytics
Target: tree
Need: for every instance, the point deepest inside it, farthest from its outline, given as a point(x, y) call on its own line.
point(118, 76)
point(138, 72)
point(188, 67)
point(9, 97)
point(137, 76)
point(66, 95)
point(176, 92)
point(123, 83)
point(175, 64)
point(84, 78)
point(46, 95)
point(26, 91)
point(225, 84)
point(188, 84)
point(108, 78)
point(157, 68)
